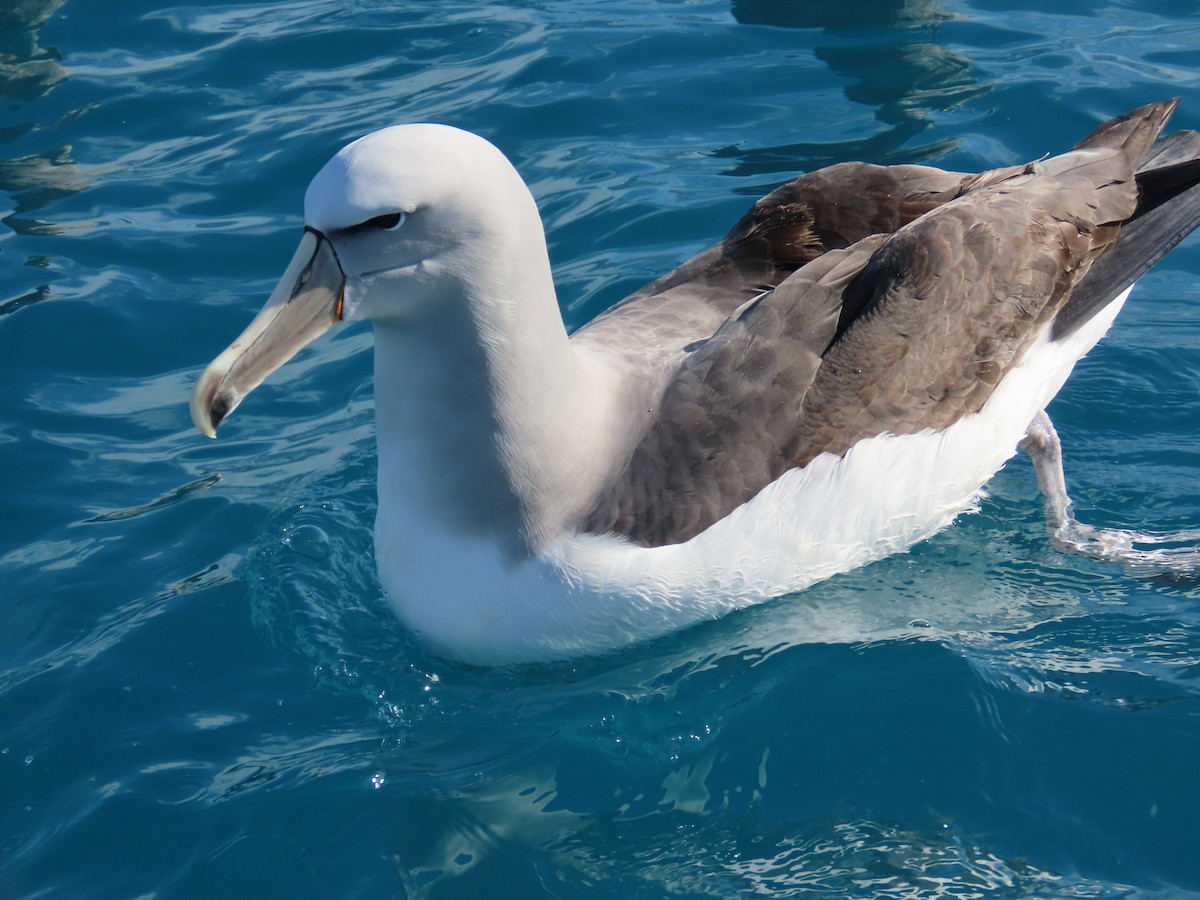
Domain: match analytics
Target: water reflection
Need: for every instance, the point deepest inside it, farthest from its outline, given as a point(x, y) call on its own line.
point(836, 15)
point(32, 180)
point(27, 70)
point(889, 51)
point(41, 178)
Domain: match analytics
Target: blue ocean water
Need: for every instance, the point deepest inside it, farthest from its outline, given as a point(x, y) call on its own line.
point(202, 692)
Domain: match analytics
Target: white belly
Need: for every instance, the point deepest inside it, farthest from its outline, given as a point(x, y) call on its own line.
point(589, 593)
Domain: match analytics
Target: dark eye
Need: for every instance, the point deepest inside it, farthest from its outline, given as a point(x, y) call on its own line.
point(389, 222)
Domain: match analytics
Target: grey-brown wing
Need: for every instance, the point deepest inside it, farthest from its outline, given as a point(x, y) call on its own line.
point(653, 335)
point(895, 334)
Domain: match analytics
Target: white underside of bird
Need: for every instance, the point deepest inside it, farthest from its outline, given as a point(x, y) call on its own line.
point(589, 593)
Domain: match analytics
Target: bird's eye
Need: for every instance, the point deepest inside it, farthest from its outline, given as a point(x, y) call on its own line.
point(390, 222)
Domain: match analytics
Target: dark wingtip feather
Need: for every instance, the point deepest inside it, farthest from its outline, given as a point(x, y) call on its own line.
point(1168, 211)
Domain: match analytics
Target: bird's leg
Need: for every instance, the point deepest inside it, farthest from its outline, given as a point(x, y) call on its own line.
point(1069, 535)
point(1044, 448)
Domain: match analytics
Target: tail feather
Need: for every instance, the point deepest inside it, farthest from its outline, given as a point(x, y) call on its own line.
point(1168, 210)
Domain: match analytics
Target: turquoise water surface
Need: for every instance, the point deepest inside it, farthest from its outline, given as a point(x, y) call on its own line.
point(202, 693)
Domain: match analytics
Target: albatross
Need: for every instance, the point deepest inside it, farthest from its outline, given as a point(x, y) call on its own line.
point(834, 381)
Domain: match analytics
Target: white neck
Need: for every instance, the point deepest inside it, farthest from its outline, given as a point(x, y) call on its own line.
point(488, 419)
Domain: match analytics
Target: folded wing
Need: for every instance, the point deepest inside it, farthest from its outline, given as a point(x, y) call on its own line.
point(862, 300)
